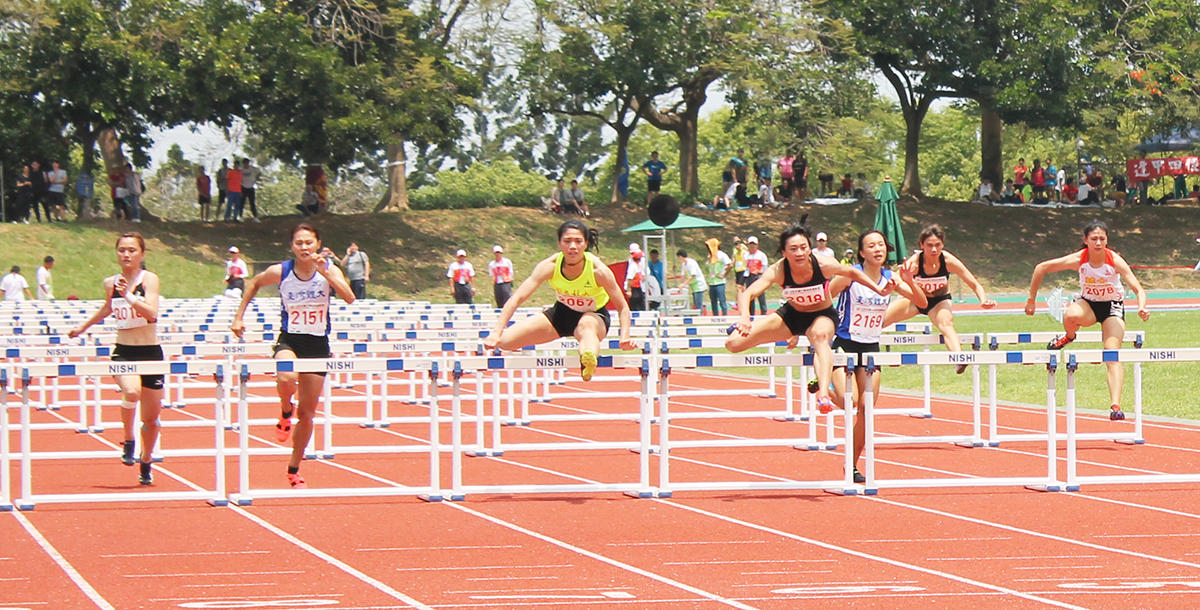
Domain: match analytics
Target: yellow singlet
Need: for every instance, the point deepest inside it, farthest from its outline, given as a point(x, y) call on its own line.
point(581, 293)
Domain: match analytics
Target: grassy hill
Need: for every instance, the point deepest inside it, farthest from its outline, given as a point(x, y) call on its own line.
point(410, 251)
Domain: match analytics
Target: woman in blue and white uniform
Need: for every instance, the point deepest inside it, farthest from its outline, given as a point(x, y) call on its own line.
point(1101, 300)
point(861, 312)
point(808, 311)
point(306, 285)
point(132, 299)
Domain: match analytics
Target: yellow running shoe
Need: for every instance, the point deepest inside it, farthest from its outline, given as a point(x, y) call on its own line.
point(587, 361)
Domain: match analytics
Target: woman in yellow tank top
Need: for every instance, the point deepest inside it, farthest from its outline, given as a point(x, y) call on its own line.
point(583, 286)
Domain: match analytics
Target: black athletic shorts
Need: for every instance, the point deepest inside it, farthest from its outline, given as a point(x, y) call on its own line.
point(1106, 309)
point(141, 353)
point(654, 184)
point(726, 177)
point(798, 322)
point(933, 301)
point(564, 319)
point(849, 346)
point(304, 346)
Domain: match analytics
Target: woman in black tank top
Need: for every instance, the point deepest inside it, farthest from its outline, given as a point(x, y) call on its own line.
point(931, 269)
point(808, 311)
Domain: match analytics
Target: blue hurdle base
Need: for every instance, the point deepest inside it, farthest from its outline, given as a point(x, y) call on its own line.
point(844, 491)
point(219, 502)
point(484, 453)
point(431, 497)
point(1053, 488)
point(1135, 441)
point(639, 494)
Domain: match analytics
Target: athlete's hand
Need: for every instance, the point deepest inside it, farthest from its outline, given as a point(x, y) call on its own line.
point(1030, 307)
point(888, 287)
point(120, 284)
point(906, 274)
point(237, 328)
point(628, 344)
point(492, 340)
point(74, 332)
point(988, 304)
point(793, 341)
point(1144, 314)
point(743, 326)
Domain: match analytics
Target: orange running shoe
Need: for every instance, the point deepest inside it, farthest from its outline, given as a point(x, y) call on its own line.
point(283, 429)
point(824, 405)
point(297, 481)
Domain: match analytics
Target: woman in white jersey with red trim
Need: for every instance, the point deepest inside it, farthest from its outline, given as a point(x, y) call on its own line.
point(861, 314)
point(1101, 299)
point(131, 296)
point(583, 286)
point(808, 310)
point(306, 285)
point(931, 269)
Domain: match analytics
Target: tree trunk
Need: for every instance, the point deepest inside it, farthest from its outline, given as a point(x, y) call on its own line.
point(396, 197)
point(623, 135)
point(84, 209)
point(991, 146)
point(689, 171)
point(914, 117)
point(110, 151)
point(683, 124)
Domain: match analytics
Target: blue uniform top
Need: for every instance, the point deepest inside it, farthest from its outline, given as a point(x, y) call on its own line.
point(861, 311)
point(656, 168)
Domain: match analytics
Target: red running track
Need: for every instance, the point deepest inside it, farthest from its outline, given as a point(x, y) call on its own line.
point(1105, 547)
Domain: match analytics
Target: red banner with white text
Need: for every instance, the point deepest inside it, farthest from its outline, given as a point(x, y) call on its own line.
point(1140, 170)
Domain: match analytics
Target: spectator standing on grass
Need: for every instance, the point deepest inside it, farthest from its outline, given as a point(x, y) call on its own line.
point(1052, 191)
point(56, 197)
point(740, 174)
point(800, 177)
point(24, 196)
point(655, 267)
point(462, 278)
point(654, 170)
point(787, 176)
point(222, 186)
point(203, 192)
point(1019, 172)
point(502, 272)
point(763, 168)
point(1038, 179)
point(236, 271)
point(718, 266)
point(250, 175)
point(133, 186)
point(756, 263)
point(739, 265)
point(233, 193)
point(14, 286)
point(44, 292)
point(692, 279)
point(358, 269)
point(1062, 183)
point(634, 278)
point(37, 178)
point(116, 182)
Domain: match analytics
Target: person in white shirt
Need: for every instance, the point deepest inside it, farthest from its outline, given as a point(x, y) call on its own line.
point(14, 286)
point(1062, 182)
point(501, 270)
point(236, 271)
point(823, 248)
point(756, 263)
point(462, 279)
point(56, 179)
point(43, 280)
point(250, 175)
point(635, 279)
point(986, 193)
point(693, 279)
point(1085, 192)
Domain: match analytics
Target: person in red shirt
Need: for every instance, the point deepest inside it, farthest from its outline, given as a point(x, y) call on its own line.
point(1019, 174)
point(1039, 180)
point(1070, 191)
point(203, 192)
point(233, 188)
point(847, 186)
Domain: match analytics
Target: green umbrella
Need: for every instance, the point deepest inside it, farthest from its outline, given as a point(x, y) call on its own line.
point(683, 222)
point(887, 220)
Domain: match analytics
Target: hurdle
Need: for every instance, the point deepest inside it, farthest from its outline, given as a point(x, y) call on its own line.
point(29, 500)
point(246, 494)
point(481, 365)
point(995, 340)
point(1136, 356)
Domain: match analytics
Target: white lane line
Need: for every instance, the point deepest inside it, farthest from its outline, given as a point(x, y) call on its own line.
point(788, 572)
point(63, 564)
point(441, 548)
point(687, 543)
point(500, 567)
point(745, 561)
point(550, 590)
point(12, 579)
point(1002, 558)
point(207, 574)
point(1056, 568)
point(1142, 535)
point(869, 557)
point(899, 540)
point(601, 558)
point(232, 584)
point(847, 583)
point(331, 560)
point(242, 597)
point(520, 578)
point(1019, 530)
point(142, 555)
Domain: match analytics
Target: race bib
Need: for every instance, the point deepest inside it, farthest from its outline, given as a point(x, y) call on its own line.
point(754, 266)
point(866, 322)
point(805, 295)
point(932, 284)
point(583, 304)
point(126, 316)
point(461, 276)
point(308, 318)
point(503, 274)
point(1100, 292)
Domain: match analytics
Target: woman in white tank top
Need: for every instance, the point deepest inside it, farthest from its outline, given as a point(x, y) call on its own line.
point(306, 285)
point(1102, 299)
point(131, 296)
